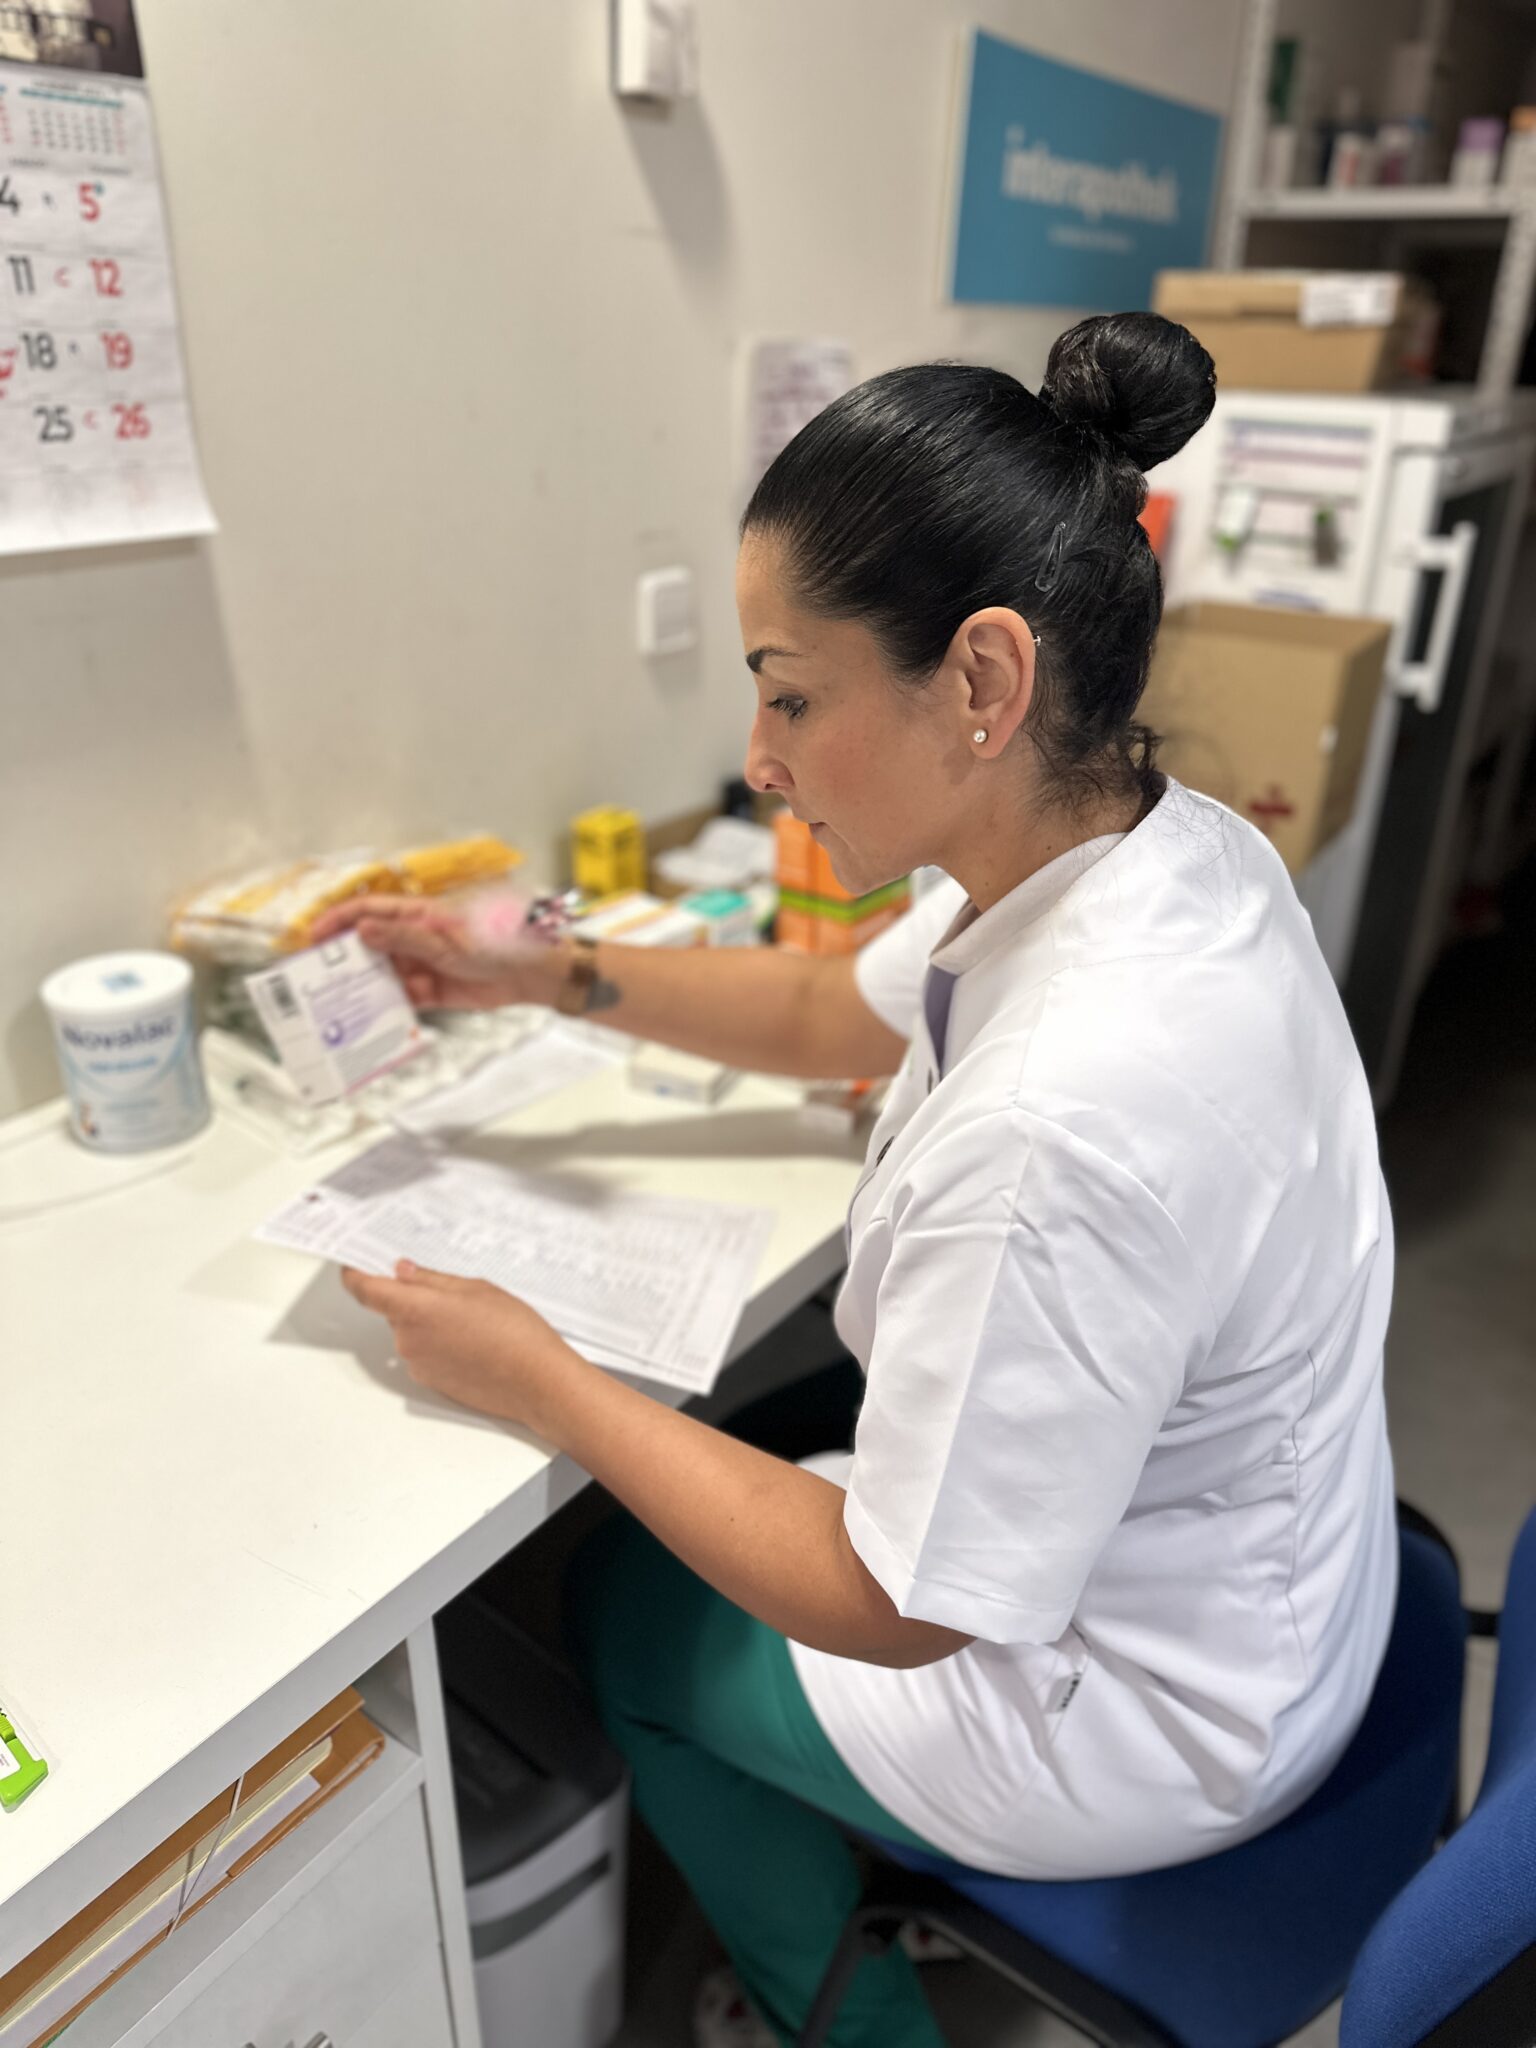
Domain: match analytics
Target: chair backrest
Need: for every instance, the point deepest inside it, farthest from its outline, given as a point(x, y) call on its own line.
point(1471, 1912)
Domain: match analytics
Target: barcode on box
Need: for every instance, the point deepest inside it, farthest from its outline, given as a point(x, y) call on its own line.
point(282, 997)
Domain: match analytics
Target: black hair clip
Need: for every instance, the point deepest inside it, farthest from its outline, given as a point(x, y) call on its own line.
point(1050, 573)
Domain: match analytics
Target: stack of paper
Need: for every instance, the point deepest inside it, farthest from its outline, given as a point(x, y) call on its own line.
point(646, 1284)
point(46, 1990)
point(546, 1061)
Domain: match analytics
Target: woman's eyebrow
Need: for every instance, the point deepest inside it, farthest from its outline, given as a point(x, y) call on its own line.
point(759, 655)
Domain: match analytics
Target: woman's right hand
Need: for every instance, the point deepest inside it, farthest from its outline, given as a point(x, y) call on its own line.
point(448, 957)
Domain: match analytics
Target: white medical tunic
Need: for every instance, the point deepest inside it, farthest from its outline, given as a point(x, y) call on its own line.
point(1118, 1276)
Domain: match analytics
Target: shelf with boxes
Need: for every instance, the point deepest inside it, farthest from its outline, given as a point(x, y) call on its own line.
point(1399, 138)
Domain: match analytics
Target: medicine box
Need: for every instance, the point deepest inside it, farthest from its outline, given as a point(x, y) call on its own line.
point(638, 919)
point(337, 1017)
point(607, 851)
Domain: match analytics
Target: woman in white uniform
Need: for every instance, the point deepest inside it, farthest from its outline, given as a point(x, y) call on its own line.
point(1107, 1575)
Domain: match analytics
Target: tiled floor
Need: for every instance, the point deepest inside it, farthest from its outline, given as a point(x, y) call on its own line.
point(1460, 1150)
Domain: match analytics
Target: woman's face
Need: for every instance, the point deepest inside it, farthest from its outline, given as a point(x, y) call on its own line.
point(873, 765)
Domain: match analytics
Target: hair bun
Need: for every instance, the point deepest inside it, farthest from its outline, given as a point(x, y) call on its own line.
point(1142, 382)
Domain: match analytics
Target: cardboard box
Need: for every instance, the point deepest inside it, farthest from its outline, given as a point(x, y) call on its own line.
point(1269, 711)
point(1292, 330)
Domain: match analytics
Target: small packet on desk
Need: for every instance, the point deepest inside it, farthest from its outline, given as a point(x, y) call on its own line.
point(839, 1107)
point(337, 1017)
point(658, 1070)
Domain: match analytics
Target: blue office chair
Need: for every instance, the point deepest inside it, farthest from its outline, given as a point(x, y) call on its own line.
point(1452, 1962)
point(1242, 1949)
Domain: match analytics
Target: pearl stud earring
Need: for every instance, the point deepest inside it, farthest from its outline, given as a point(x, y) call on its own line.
point(980, 736)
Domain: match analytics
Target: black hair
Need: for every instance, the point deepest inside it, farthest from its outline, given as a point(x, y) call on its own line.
point(934, 491)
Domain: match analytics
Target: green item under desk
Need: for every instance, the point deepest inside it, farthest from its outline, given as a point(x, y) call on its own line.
point(31, 1770)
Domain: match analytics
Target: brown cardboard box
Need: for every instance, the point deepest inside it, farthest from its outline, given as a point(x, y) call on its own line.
point(1251, 322)
point(1269, 711)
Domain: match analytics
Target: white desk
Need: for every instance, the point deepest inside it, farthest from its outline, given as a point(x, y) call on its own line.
point(221, 1504)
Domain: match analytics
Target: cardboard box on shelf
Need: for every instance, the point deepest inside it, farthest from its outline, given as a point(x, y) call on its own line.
point(1295, 330)
point(1269, 711)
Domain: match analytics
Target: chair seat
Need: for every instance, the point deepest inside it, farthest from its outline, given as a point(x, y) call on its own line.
point(1241, 1949)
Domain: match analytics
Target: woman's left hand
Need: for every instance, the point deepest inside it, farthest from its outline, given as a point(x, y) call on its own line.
point(470, 1341)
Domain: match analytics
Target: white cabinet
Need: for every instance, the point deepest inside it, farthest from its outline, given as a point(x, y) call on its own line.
point(415, 2016)
point(334, 1962)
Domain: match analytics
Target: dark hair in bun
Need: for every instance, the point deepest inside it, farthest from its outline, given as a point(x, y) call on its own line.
point(932, 492)
point(1138, 380)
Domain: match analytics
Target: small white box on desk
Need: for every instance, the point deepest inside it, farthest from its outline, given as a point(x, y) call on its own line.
point(659, 1070)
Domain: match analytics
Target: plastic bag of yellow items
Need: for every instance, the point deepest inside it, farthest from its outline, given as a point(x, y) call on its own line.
point(255, 917)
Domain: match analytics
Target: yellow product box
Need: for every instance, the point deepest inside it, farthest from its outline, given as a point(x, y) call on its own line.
point(607, 851)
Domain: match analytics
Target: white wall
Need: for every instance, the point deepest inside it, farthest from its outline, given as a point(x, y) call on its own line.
point(461, 334)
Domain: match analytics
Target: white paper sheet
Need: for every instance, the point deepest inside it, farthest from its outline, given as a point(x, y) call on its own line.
point(96, 439)
point(787, 384)
point(544, 1063)
point(649, 1285)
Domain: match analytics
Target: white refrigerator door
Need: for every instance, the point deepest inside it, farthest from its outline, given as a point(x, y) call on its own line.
point(1443, 577)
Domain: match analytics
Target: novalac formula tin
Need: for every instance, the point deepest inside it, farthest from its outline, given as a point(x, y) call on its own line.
point(122, 1023)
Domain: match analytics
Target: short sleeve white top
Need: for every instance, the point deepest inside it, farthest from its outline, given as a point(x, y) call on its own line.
point(1119, 1271)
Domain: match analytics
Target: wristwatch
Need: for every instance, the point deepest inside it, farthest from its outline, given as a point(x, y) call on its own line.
point(576, 990)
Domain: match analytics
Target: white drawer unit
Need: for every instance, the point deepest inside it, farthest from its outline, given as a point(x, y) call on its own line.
point(416, 2016)
point(326, 1968)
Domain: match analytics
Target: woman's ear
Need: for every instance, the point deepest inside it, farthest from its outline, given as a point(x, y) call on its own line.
point(994, 659)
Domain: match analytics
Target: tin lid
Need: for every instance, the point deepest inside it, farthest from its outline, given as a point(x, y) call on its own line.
point(117, 984)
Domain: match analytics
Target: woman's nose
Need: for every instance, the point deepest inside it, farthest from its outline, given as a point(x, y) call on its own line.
point(765, 774)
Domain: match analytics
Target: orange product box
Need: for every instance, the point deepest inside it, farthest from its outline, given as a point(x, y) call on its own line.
point(838, 937)
point(796, 930)
point(796, 853)
point(803, 864)
point(1157, 518)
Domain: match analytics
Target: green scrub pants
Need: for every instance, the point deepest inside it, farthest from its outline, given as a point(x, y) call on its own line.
point(737, 1781)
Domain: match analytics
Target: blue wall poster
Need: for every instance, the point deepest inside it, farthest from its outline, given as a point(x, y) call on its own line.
point(1073, 190)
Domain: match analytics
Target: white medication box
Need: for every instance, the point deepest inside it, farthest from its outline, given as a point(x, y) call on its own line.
point(659, 1070)
point(337, 1017)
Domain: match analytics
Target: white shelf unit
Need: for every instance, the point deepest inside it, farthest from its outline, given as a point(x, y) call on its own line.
point(1245, 201)
point(1387, 202)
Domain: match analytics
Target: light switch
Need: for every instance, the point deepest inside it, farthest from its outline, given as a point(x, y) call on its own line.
point(668, 620)
point(655, 49)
